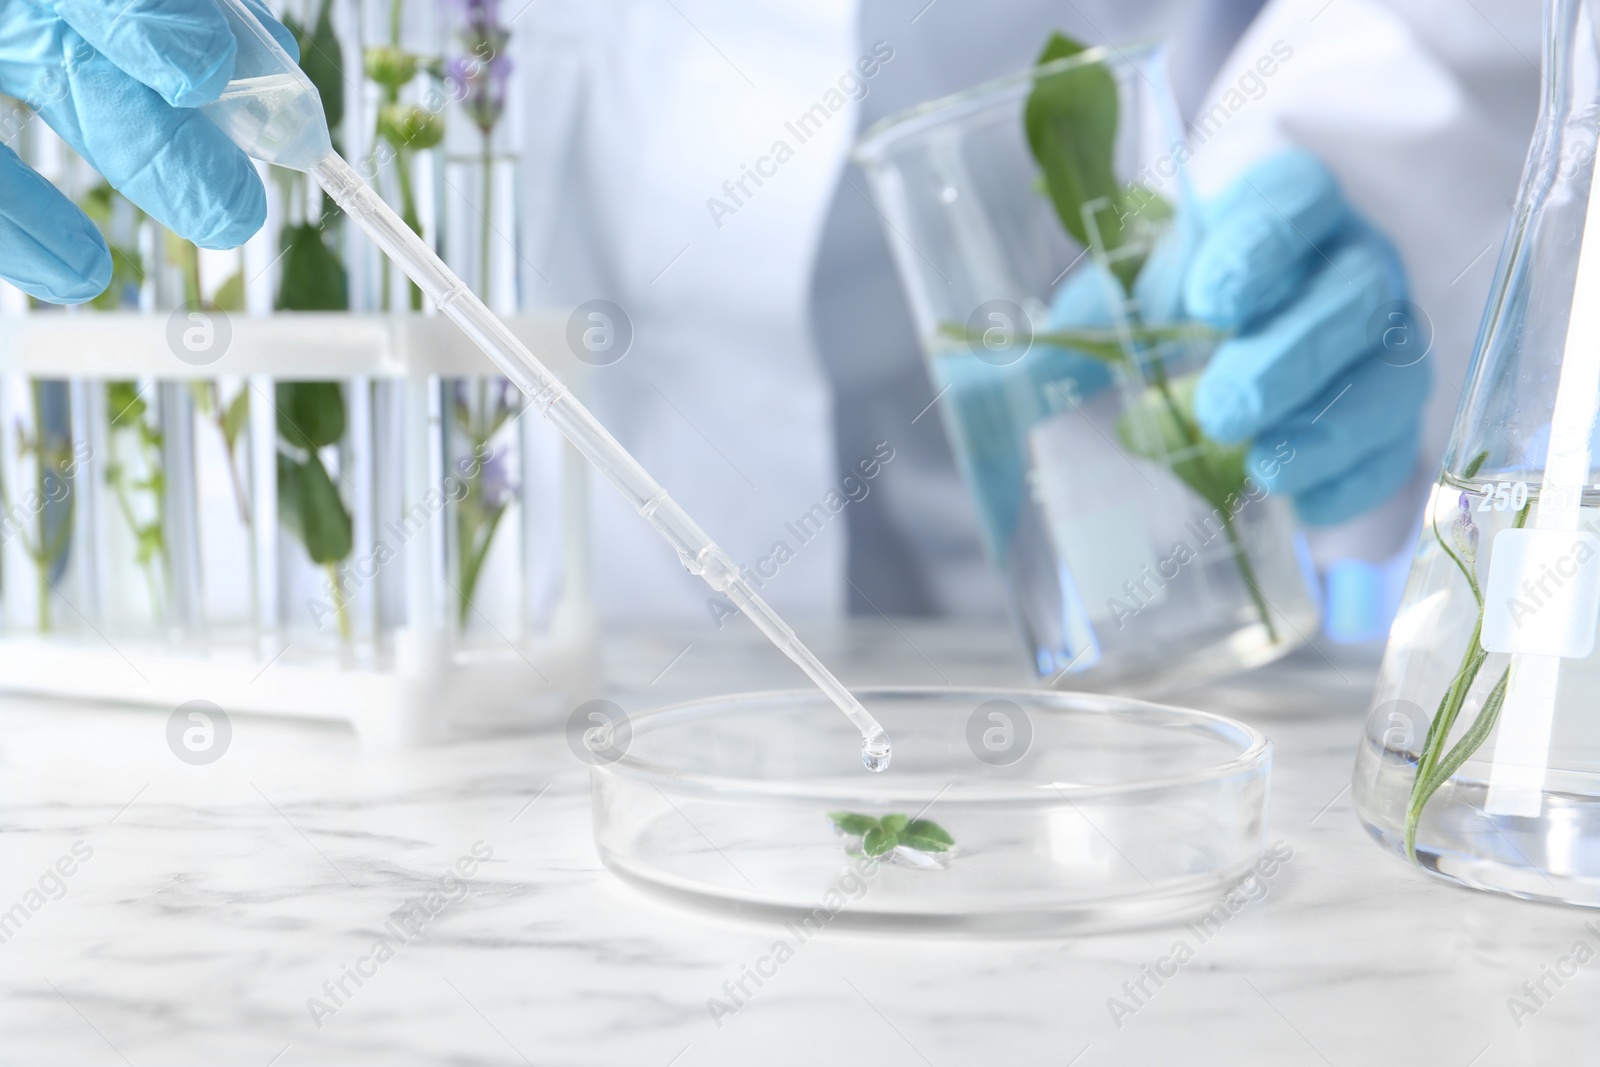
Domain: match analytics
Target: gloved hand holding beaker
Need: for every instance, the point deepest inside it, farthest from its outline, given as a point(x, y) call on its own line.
point(1310, 296)
point(1315, 295)
point(120, 80)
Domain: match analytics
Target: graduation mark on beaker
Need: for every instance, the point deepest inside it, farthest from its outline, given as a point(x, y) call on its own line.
point(1504, 496)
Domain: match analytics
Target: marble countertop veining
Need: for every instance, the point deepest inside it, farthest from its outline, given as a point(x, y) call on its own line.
point(158, 913)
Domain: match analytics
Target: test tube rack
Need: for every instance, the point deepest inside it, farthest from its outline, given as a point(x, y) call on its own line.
point(409, 672)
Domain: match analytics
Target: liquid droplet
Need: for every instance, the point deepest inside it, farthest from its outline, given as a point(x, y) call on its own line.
point(875, 753)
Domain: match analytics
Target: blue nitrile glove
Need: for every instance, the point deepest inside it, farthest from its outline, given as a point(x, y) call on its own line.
point(119, 81)
point(1322, 366)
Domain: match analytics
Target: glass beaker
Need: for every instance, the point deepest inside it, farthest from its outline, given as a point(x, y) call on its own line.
point(1480, 761)
point(1135, 552)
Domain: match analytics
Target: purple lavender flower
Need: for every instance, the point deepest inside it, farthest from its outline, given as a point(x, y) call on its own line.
point(503, 401)
point(497, 486)
point(506, 398)
point(482, 74)
point(1464, 532)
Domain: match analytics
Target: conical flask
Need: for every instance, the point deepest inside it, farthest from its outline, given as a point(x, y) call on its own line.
point(1480, 761)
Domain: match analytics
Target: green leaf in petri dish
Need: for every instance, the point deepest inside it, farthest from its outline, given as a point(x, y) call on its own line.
point(926, 836)
point(852, 823)
point(881, 836)
point(878, 841)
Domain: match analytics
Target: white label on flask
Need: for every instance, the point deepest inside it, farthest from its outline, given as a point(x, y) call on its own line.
point(1543, 593)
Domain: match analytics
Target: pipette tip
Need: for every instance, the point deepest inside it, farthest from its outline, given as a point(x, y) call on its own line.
point(875, 752)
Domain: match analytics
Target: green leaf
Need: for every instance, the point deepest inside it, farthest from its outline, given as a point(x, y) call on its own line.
point(101, 203)
point(230, 294)
point(234, 419)
point(290, 475)
point(1161, 427)
point(96, 203)
point(1475, 464)
point(925, 835)
point(880, 836)
point(877, 841)
point(852, 823)
point(1102, 344)
point(1470, 742)
point(313, 279)
point(1071, 123)
point(175, 248)
point(149, 543)
point(320, 60)
point(1145, 208)
point(124, 404)
point(127, 274)
point(1107, 349)
point(310, 414)
point(324, 523)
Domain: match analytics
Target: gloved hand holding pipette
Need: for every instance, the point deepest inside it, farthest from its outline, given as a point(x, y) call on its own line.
point(120, 80)
point(271, 110)
point(1284, 266)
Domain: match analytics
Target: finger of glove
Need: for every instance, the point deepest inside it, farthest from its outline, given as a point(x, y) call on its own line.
point(172, 162)
point(1337, 432)
point(1362, 487)
point(183, 49)
point(1159, 289)
point(1256, 379)
point(1263, 237)
point(52, 250)
point(1082, 302)
point(1083, 299)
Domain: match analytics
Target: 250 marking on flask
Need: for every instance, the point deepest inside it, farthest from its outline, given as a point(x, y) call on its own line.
point(1505, 496)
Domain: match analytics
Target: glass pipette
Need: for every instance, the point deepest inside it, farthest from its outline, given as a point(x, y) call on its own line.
point(273, 112)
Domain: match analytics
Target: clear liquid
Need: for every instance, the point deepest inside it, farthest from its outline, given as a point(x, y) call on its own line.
point(1431, 635)
point(1117, 571)
point(277, 118)
point(875, 752)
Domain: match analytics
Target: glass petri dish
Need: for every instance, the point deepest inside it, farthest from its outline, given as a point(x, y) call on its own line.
point(1068, 812)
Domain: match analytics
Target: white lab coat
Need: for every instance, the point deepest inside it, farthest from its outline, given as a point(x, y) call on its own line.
point(641, 110)
point(750, 324)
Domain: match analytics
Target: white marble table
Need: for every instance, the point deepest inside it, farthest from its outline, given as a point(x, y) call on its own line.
point(215, 901)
